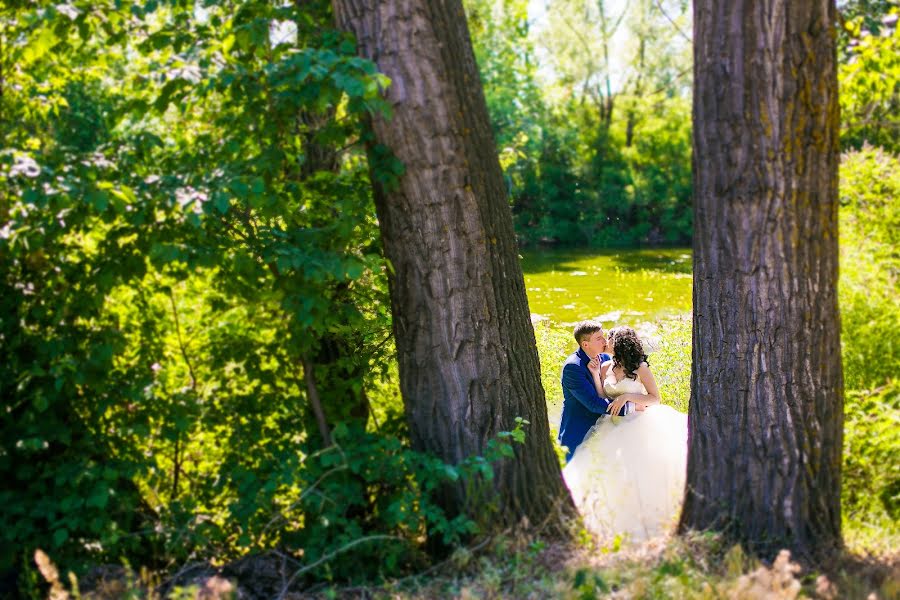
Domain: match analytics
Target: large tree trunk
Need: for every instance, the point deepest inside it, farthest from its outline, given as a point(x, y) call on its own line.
point(766, 408)
point(466, 349)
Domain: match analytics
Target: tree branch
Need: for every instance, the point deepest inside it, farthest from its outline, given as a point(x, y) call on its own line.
point(312, 394)
point(181, 345)
point(330, 555)
point(658, 5)
point(177, 458)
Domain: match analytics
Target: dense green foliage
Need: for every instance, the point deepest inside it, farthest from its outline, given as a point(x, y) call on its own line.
point(591, 111)
point(870, 312)
point(869, 77)
point(189, 264)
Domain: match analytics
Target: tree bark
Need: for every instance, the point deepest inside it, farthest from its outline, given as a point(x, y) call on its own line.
point(766, 409)
point(466, 349)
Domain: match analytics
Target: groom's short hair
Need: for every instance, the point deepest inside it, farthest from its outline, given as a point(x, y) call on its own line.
point(585, 329)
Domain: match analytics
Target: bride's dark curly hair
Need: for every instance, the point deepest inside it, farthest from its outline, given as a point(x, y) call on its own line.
point(628, 352)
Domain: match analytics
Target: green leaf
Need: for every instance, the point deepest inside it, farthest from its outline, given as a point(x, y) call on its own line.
point(60, 536)
point(32, 196)
point(125, 194)
point(354, 270)
point(39, 44)
point(221, 201)
point(99, 199)
point(353, 87)
point(239, 188)
point(168, 91)
point(258, 186)
point(451, 472)
point(99, 497)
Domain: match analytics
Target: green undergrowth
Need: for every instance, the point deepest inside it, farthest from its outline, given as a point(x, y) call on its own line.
point(696, 566)
point(870, 317)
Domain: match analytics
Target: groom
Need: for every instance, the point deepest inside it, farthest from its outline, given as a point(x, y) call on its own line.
point(582, 405)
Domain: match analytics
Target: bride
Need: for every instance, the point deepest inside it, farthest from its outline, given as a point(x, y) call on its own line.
point(627, 476)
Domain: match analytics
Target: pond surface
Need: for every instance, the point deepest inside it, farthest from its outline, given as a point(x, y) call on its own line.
point(621, 286)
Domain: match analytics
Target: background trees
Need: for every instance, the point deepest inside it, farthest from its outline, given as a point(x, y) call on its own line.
point(590, 105)
point(868, 76)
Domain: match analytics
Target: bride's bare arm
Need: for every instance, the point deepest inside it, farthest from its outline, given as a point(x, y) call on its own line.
point(652, 395)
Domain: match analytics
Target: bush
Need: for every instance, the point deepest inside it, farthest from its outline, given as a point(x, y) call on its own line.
point(869, 82)
point(870, 266)
point(368, 505)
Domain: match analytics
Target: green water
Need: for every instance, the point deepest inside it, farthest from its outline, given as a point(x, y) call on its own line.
point(618, 286)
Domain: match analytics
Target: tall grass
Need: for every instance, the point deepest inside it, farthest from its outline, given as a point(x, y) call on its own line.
point(870, 313)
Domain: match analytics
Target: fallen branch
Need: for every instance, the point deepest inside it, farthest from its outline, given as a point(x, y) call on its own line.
point(331, 555)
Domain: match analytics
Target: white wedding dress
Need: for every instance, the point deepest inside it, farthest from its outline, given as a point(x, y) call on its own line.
point(627, 476)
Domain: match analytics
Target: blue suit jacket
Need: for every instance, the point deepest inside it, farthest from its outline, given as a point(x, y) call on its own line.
point(582, 405)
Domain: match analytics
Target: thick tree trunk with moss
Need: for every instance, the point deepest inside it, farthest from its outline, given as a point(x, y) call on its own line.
point(766, 408)
point(465, 345)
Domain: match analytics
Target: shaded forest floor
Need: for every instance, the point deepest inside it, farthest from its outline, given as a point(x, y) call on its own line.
point(695, 567)
point(700, 568)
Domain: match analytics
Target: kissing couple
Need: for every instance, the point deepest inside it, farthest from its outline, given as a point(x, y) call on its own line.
point(626, 451)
